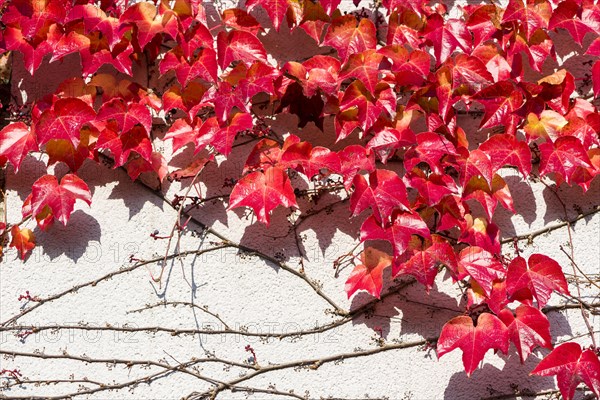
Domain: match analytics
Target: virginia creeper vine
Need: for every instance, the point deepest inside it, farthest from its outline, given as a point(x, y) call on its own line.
point(387, 88)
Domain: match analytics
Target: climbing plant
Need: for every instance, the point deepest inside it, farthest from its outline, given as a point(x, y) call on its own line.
point(387, 85)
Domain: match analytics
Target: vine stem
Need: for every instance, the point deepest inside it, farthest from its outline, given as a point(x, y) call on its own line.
point(251, 251)
point(176, 227)
point(548, 229)
point(312, 364)
point(574, 264)
point(94, 282)
point(572, 259)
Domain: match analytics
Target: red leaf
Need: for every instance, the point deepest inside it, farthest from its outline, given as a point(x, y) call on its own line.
point(547, 126)
point(596, 78)
point(239, 46)
point(203, 66)
point(432, 188)
point(122, 145)
point(410, 68)
point(23, 240)
point(398, 233)
point(446, 36)
point(452, 212)
point(538, 49)
point(314, 19)
point(500, 100)
point(197, 37)
point(363, 66)
point(224, 137)
point(188, 100)
point(358, 109)
point(387, 139)
point(312, 161)
point(481, 20)
point(32, 56)
point(557, 89)
point(538, 281)
point(263, 192)
point(225, 97)
point(318, 72)
point(496, 301)
point(16, 141)
point(194, 168)
point(95, 20)
point(585, 129)
point(59, 198)
point(259, 79)
point(594, 49)
point(72, 42)
point(182, 133)
point(355, 158)
point(481, 232)
point(533, 15)
point(507, 150)
point(126, 115)
point(405, 26)
point(482, 266)
point(60, 150)
point(563, 157)
point(528, 330)
point(432, 148)
point(267, 153)
point(275, 8)
point(571, 366)
point(119, 58)
point(422, 265)
point(148, 22)
point(349, 36)
point(330, 5)
point(474, 341)
point(565, 17)
point(200, 133)
point(501, 193)
point(369, 274)
point(470, 72)
point(444, 254)
point(384, 193)
point(479, 190)
point(241, 20)
point(157, 164)
point(64, 120)
point(477, 164)
point(34, 16)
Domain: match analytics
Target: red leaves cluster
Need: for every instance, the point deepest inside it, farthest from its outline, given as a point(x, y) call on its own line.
point(397, 91)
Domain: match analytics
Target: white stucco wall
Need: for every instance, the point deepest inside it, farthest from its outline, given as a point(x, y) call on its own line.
point(248, 294)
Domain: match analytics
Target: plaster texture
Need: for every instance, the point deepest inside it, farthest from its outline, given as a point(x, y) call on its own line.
point(247, 293)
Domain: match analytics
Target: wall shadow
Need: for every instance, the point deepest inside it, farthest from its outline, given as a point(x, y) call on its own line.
point(72, 241)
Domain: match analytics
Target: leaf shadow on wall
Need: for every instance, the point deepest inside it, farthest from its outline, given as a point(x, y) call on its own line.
point(161, 290)
point(277, 240)
point(31, 170)
point(73, 240)
point(129, 194)
point(217, 178)
point(515, 376)
point(524, 204)
point(560, 326)
point(412, 308)
point(573, 196)
point(286, 45)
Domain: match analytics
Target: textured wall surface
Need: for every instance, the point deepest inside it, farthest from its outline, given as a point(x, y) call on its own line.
point(219, 302)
